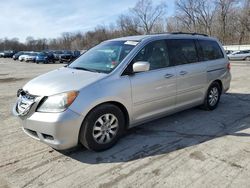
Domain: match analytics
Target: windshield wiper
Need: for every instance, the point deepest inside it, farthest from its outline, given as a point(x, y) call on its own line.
point(82, 68)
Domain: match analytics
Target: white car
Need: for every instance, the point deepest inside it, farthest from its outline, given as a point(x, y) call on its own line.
point(22, 57)
point(240, 55)
point(30, 57)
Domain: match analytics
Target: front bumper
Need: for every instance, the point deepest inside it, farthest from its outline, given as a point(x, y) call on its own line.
point(58, 130)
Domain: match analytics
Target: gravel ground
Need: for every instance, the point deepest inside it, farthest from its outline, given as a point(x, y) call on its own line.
point(193, 148)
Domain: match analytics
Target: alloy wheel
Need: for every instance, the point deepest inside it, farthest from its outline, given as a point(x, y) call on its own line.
point(105, 128)
point(213, 96)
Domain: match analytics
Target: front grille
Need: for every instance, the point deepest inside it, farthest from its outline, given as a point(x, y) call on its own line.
point(24, 102)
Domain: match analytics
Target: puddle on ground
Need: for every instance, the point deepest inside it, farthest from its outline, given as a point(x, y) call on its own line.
point(11, 79)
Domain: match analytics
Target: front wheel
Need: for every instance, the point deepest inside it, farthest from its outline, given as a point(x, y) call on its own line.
point(213, 97)
point(247, 58)
point(102, 127)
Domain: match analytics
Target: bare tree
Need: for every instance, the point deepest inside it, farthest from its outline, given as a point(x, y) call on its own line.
point(128, 25)
point(205, 15)
point(224, 8)
point(244, 20)
point(147, 14)
point(186, 10)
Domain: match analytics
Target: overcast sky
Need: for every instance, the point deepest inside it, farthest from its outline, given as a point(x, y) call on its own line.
point(50, 18)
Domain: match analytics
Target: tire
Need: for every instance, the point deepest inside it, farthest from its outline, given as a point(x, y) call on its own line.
point(247, 59)
point(92, 127)
point(213, 97)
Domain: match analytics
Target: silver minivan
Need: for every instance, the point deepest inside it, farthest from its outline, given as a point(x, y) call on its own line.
point(119, 84)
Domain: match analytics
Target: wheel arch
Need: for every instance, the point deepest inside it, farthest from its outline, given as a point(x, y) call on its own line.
point(118, 104)
point(220, 84)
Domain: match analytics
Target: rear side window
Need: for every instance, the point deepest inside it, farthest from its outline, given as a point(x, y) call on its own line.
point(211, 50)
point(182, 51)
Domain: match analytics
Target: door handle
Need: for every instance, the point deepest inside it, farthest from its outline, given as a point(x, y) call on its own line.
point(183, 72)
point(168, 75)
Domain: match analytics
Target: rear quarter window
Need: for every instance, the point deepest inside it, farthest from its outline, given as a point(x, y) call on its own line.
point(211, 50)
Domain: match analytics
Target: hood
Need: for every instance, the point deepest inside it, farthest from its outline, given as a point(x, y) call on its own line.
point(41, 56)
point(31, 56)
point(23, 55)
point(61, 80)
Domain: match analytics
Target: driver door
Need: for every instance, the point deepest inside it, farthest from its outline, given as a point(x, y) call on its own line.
point(153, 91)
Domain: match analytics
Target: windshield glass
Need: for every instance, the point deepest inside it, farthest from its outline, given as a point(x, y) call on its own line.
point(104, 57)
point(42, 54)
point(58, 52)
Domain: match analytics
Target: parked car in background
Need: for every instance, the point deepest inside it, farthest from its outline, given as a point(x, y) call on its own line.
point(240, 55)
point(56, 54)
point(31, 57)
point(77, 53)
point(1, 53)
point(122, 83)
point(69, 56)
point(65, 57)
point(42, 57)
point(16, 55)
point(8, 54)
point(22, 57)
point(51, 56)
point(229, 51)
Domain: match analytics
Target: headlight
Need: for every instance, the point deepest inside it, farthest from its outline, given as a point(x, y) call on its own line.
point(58, 103)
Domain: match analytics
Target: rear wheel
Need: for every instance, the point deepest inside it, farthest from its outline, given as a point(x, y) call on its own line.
point(102, 127)
point(213, 96)
point(247, 58)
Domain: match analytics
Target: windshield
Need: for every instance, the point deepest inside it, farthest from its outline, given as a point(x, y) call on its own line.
point(42, 54)
point(58, 52)
point(104, 57)
point(67, 52)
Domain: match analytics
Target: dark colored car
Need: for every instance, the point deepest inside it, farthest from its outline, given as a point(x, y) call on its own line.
point(7, 54)
point(45, 57)
point(42, 57)
point(69, 56)
point(56, 55)
point(16, 55)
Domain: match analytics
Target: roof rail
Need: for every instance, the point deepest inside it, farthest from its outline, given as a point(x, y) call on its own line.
point(189, 33)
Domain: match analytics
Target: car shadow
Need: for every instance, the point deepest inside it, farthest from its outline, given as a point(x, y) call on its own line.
point(175, 132)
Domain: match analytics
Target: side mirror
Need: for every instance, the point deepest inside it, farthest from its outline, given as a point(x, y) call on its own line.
point(141, 66)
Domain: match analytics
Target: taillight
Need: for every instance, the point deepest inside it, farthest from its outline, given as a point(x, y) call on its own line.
point(229, 66)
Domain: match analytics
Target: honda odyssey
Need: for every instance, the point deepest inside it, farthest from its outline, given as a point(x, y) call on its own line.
point(119, 84)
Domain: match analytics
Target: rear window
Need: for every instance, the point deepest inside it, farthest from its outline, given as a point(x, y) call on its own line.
point(211, 50)
point(182, 51)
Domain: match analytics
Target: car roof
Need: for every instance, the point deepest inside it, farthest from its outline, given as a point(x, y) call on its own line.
point(164, 35)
